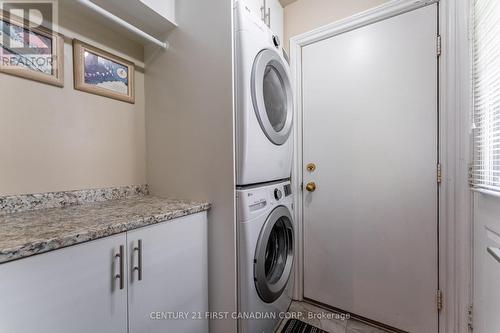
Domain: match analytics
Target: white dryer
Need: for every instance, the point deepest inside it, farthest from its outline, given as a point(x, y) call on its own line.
point(266, 254)
point(264, 102)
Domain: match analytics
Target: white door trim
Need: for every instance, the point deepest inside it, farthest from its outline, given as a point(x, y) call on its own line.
point(379, 13)
point(456, 227)
point(455, 208)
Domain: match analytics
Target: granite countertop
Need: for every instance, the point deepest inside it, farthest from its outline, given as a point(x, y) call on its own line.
point(31, 232)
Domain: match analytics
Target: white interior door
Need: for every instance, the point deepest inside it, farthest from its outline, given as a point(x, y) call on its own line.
point(370, 126)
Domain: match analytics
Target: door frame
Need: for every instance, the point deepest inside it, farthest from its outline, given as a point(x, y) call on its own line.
point(455, 201)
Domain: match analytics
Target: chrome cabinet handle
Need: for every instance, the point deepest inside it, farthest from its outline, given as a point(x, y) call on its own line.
point(121, 274)
point(138, 268)
point(495, 252)
point(265, 14)
point(263, 11)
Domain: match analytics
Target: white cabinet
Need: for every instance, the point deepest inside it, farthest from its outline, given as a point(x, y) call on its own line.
point(277, 21)
point(76, 289)
point(166, 8)
point(254, 6)
point(155, 17)
point(172, 262)
point(68, 290)
point(274, 8)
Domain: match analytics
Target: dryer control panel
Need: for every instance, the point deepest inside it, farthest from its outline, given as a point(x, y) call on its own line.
point(254, 201)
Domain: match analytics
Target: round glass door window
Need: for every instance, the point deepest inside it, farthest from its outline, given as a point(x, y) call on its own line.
point(272, 96)
point(274, 255)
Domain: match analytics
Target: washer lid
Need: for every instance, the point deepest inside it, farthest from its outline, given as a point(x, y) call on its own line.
point(274, 255)
point(272, 96)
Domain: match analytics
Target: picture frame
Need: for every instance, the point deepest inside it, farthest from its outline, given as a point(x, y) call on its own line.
point(45, 65)
point(102, 73)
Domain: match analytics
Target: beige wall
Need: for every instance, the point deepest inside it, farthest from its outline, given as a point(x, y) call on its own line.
point(54, 139)
point(304, 15)
point(189, 103)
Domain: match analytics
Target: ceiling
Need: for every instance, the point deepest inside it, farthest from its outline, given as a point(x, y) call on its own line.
point(285, 3)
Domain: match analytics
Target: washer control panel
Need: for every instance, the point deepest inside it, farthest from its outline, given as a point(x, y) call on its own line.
point(277, 194)
point(257, 200)
point(276, 41)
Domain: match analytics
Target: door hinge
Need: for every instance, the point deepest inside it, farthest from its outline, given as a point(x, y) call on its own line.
point(439, 173)
point(470, 314)
point(439, 300)
point(470, 175)
point(438, 45)
point(302, 186)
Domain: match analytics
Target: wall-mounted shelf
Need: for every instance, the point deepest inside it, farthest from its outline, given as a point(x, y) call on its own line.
point(136, 16)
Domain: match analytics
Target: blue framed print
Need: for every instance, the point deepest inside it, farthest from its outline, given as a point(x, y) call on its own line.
point(101, 73)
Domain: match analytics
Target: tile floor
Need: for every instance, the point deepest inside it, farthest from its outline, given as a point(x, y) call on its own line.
point(328, 321)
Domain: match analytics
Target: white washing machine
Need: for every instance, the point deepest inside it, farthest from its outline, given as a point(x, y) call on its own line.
point(266, 254)
point(264, 102)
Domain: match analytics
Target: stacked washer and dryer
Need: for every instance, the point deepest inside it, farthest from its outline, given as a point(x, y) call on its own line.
point(264, 114)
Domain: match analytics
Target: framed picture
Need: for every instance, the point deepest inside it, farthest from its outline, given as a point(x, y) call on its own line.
point(101, 73)
point(32, 53)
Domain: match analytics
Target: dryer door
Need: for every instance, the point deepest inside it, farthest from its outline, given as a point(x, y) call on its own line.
point(272, 96)
point(274, 255)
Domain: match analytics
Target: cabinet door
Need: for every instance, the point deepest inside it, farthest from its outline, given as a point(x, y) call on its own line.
point(276, 20)
point(173, 263)
point(255, 7)
point(68, 290)
point(274, 8)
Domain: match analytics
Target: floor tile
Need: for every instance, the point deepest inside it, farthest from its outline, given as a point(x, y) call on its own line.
point(326, 320)
point(354, 326)
point(318, 317)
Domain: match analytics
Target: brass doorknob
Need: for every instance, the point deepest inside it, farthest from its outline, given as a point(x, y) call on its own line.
point(311, 187)
point(311, 167)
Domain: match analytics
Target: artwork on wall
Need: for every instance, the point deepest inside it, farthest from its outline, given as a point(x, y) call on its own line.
point(32, 53)
point(101, 73)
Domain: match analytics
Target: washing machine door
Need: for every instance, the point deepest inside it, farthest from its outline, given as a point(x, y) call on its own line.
point(274, 255)
point(272, 96)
